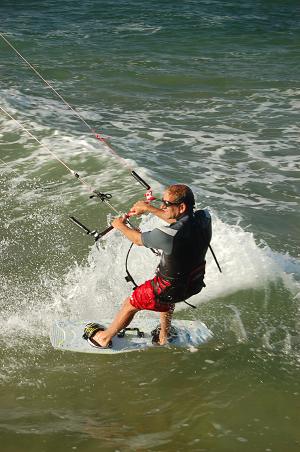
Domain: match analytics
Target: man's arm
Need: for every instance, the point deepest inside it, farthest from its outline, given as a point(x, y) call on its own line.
point(133, 235)
point(141, 207)
point(160, 238)
point(138, 208)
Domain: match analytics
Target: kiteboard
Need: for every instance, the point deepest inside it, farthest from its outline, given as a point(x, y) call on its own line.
point(67, 335)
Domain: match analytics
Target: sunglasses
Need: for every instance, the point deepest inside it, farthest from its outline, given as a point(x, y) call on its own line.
point(170, 203)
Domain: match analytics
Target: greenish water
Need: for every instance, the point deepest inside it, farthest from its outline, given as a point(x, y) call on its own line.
point(200, 92)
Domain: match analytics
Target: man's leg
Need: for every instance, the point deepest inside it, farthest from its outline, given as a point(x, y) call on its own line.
point(165, 323)
point(122, 320)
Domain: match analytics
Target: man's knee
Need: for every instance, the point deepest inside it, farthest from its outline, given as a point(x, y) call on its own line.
point(128, 306)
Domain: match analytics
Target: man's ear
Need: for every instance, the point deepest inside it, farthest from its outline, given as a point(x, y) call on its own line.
point(182, 208)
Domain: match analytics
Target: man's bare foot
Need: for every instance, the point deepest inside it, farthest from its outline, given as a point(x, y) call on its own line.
point(159, 336)
point(101, 338)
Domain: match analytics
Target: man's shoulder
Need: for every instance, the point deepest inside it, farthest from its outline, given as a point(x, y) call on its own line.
point(160, 237)
point(167, 229)
point(202, 213)
point(203, 218)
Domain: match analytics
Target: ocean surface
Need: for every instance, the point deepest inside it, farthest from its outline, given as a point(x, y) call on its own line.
point(204, 93)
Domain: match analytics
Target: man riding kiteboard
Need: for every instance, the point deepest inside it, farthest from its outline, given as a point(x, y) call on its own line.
point(180, 273)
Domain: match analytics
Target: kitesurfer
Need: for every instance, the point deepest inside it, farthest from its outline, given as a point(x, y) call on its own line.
point(180, 273)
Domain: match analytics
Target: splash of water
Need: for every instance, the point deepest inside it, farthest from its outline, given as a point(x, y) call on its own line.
point(98, 288)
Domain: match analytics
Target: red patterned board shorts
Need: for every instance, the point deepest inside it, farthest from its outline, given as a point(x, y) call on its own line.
point(144, 296)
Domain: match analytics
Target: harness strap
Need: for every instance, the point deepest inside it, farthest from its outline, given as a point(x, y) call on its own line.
point(194, 274)
point(215, 258)
point(190, 304)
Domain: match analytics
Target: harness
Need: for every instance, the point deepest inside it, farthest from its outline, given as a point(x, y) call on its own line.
point(179, 288)
point(172, 283)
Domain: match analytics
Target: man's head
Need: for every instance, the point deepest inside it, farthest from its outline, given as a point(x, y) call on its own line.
point(177, 200)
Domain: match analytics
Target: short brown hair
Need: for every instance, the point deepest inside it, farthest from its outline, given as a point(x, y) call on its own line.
point(182, 193)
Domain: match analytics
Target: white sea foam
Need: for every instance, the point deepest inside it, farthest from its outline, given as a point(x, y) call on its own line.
point(139, 27)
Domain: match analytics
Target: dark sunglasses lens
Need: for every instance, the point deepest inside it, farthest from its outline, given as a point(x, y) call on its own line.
point(169, 203)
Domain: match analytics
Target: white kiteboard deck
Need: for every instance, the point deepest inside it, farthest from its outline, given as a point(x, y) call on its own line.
point(67, 335)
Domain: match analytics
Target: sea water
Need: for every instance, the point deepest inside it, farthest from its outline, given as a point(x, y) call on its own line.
point(204, 93)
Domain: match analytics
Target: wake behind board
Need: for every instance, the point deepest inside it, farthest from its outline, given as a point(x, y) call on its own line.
point(67, 335)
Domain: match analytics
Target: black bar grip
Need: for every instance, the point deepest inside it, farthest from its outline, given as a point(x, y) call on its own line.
point(140, 180)
point(97, 235)
point(80, 225)
point(110, 228)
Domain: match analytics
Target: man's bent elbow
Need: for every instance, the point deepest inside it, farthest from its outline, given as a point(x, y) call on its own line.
point(138, 242)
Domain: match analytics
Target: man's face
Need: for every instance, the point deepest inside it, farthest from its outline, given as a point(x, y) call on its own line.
point(171, 211)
